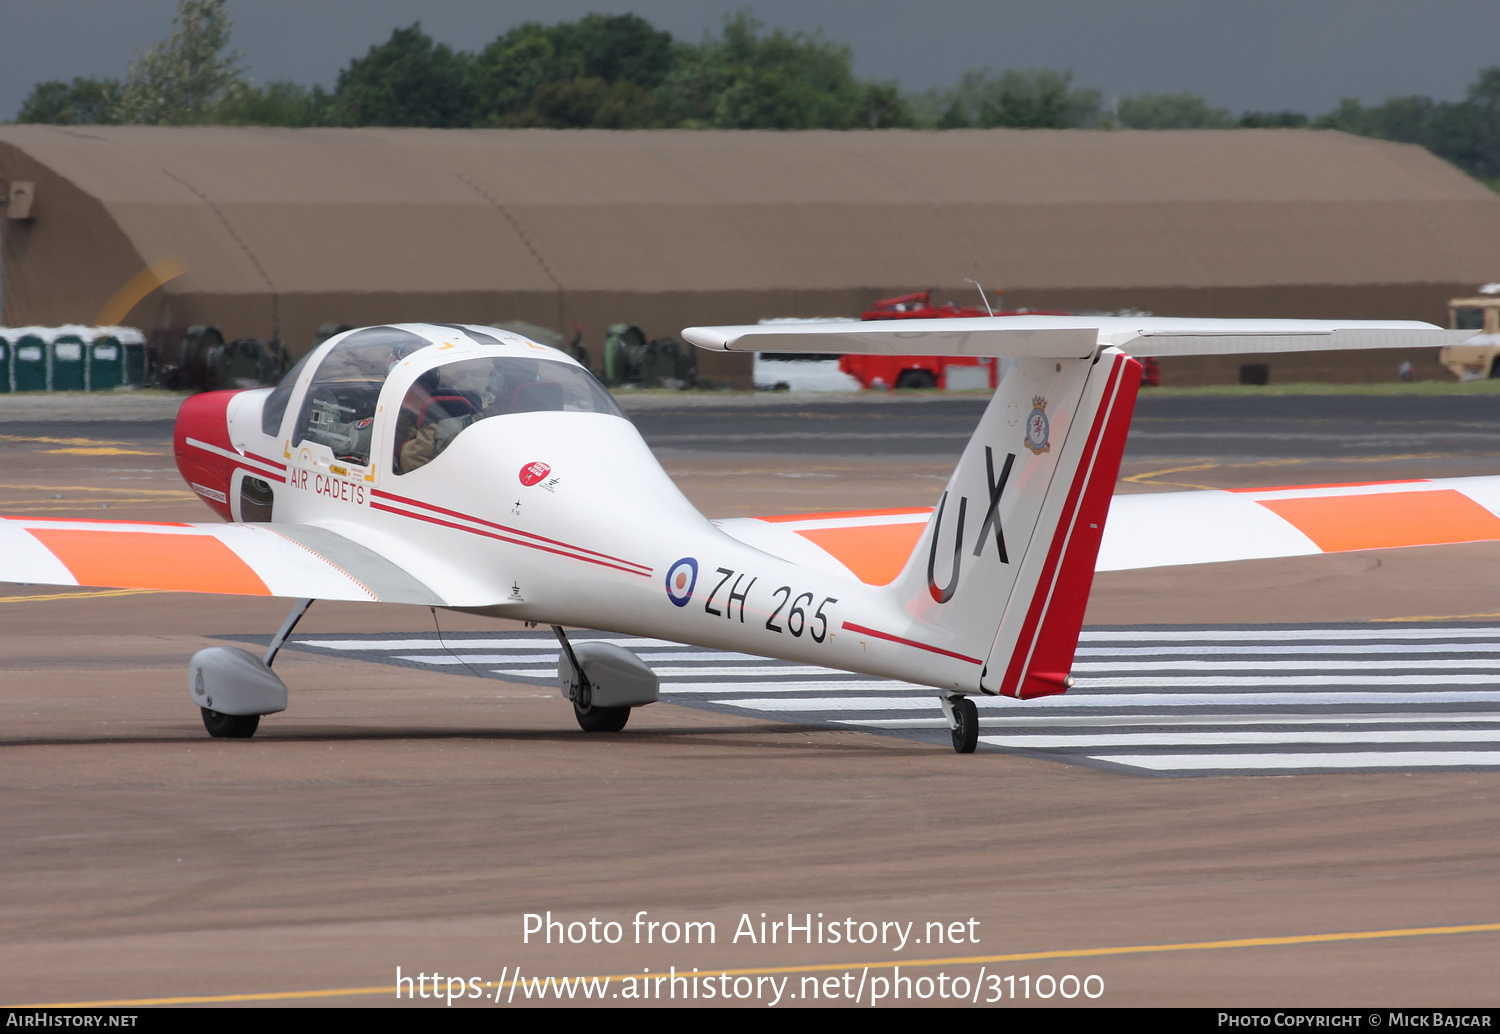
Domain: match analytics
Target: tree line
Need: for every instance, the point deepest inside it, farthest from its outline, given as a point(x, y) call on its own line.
point(620, 72)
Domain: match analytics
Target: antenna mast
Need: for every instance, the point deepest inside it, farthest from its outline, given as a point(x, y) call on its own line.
point(981, 295)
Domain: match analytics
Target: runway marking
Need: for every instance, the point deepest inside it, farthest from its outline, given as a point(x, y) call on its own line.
point(1285, 649)
point(175, 492)
point(1123, 702)
point(1212, 681)
point(1449, 617)
point(1154, 702)
point(99, 450)
point(513, 641)
point(1343, 665)
point(44, 440)
point(1293, 940)
point(1165, 720)
point(1278, 634)
point(1143, 479)
point(1363, 759)
point(551, 658)
point(1080, 741)
point(99, 594)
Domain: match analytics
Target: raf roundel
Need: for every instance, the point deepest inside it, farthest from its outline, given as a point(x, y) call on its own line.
point(534, 472)
point(681, 578)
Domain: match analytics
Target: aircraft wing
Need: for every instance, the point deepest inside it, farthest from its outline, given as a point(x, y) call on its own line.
point(1173, 528)
point(293, 560)
point(1203, 527)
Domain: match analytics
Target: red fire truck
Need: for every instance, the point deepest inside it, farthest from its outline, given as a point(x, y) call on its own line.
point(952, 373)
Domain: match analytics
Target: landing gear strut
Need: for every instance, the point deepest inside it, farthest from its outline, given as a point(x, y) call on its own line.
point(243, 726)
point(590, 718)
point(963, 720)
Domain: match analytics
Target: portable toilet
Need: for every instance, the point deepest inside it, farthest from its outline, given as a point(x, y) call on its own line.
point(132, 355)
point(69, 364)
point(5, 351)
point(29, 361)
point(106, 361)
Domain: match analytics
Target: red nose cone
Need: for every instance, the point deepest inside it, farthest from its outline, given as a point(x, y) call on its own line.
point(202, 427)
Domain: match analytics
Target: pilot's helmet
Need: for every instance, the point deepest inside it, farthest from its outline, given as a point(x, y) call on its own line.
point(400, 351)
point(474, 377)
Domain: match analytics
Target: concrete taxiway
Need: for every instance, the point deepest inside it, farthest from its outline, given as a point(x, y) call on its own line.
point(397, 818)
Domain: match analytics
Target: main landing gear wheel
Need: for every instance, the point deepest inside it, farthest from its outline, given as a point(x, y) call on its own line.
point(601, 719)
point(231, 726)
point(965, 726)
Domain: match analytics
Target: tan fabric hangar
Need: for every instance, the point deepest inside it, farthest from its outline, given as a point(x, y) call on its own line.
point(279, 231)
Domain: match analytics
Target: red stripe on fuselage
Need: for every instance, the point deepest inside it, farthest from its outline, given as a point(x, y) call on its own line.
point(501, 527)
point(504, 538)
point(268, 462)
point(910, 642)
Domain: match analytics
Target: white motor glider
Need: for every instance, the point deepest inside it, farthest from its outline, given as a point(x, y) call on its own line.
point(473, 469)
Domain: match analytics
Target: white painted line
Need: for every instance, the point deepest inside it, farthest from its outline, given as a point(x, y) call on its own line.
point(1482, 664)
point(1085, 741)
point(1284, 649)
point(1262, 635)
point(907, 723)
point(481, 658)
point(1269, 681)
point(704, 655)
point(1258, 762)
point(432, 643)
point(800, 669)
point(666, 675)
point(838, 703)
point(551, 658)
point(1116, 700)
point(1136, 721)
point(853, 685)
point(382, 645)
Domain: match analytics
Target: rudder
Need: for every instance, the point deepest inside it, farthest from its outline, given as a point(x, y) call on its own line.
point(1003, 569)
point(1033, 650)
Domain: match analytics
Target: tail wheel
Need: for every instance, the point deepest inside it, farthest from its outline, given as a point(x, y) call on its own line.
point(230, 726)
point(965, 726)
point(601, 719)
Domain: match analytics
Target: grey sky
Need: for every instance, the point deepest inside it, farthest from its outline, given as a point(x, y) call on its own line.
point(1241, 54)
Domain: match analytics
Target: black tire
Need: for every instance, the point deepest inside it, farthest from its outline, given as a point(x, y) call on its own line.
point(230, 726)
point(966, 731)
point(601, 719)
point(916, 379)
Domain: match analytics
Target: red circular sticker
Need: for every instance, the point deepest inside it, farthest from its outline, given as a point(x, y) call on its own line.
point(534, 472)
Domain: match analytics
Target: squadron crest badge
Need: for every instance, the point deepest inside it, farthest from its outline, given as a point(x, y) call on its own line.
point(1037, 428)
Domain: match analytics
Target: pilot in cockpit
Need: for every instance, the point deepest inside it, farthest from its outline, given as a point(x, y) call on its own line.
point(440, 404)
point(444, 401)
point(416, 425)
